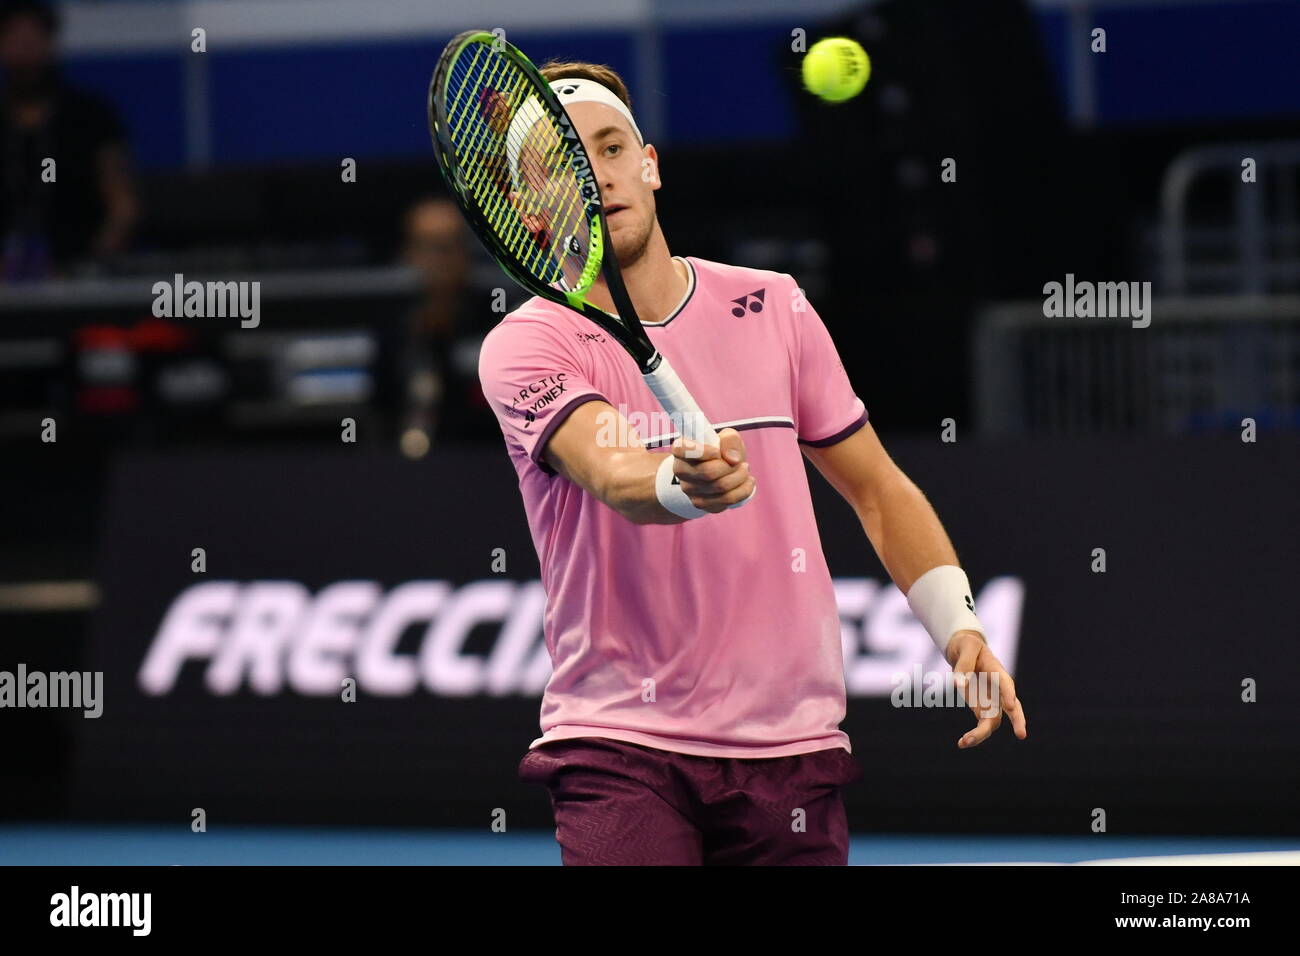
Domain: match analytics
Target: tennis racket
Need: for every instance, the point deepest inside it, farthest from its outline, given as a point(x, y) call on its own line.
point(514, 163)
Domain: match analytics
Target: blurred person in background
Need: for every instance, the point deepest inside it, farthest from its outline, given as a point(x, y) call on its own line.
point(436, 347)
point(89, 209)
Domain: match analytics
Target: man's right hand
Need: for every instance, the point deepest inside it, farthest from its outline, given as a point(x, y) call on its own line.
point(713, 477)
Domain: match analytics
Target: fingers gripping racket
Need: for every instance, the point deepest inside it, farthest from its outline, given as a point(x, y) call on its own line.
point(515, 165)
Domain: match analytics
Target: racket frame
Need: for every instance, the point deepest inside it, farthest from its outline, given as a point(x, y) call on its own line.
point(625, 327)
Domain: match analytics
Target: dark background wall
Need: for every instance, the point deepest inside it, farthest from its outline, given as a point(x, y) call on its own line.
point(1132, 677)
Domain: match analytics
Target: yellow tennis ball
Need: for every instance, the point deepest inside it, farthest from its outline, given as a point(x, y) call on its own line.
point(836, 69)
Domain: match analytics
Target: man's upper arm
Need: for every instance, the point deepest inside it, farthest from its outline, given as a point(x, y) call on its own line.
point(577, 451)
point(857, 467)
point(533, 382)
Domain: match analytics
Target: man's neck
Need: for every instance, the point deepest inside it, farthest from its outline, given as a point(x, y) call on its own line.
point(656, 283)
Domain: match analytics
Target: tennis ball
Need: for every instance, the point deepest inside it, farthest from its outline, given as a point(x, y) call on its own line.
point(836, 69)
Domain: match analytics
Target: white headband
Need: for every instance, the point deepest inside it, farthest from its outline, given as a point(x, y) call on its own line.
point(568, 90)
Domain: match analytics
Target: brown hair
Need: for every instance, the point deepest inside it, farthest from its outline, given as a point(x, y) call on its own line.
point(596, 72)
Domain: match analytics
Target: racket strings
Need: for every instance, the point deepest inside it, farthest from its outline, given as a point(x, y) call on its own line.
point(501, 94)
point(476, 138)
point(489, 164)
point(506, 93)
point(534, 205)
point(481, 98)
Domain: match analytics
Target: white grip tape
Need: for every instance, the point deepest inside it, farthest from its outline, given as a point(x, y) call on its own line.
point(678, 403)
point(942, 602)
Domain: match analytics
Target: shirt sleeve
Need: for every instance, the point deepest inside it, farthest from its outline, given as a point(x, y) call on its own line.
point(532, 381)
point(826, 407)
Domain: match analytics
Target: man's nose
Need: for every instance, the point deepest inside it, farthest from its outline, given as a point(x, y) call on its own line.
point(602, 177)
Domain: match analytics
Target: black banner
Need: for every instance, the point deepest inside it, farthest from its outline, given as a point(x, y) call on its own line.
point(359, 641)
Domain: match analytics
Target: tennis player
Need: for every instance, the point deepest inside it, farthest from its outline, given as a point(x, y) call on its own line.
point(693, 712)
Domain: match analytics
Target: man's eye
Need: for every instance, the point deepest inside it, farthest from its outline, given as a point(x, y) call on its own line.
point(613, 146)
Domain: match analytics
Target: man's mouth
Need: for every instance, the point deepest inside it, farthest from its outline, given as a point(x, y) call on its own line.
point(613, 208)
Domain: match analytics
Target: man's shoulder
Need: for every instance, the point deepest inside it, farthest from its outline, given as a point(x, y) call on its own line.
point(535, 306)
point(709, 271)
point(741, 290)
point(533, 322)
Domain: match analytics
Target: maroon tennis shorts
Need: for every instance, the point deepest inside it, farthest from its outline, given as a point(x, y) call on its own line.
point(624, 804)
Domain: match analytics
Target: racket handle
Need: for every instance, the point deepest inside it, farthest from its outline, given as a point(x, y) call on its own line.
point(677, 402)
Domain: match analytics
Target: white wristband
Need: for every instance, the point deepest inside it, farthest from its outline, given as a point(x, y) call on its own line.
point(669, 492)
point(942, 602)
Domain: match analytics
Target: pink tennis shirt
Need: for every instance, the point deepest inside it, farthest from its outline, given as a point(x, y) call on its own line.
point(719, 636)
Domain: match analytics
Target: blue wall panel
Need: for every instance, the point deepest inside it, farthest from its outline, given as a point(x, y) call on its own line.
point(1199, 62)
point(148, 92)
point(1166, 63)
point(727, 85)
point(329, 102)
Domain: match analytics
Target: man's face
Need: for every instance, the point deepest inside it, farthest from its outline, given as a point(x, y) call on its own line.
point(628, 174)
point(26, 49)
point(435, 244)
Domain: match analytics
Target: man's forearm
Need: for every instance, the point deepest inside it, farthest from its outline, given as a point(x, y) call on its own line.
point(642, 486)
point(625, 481)
point(629, 488)
point(122, 209)
point(904, 531)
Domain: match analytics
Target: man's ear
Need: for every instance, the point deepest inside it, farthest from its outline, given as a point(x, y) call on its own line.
point(532, 221)
point(650, 167)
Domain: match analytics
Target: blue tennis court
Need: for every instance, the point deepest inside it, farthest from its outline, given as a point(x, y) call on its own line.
point(277, 846)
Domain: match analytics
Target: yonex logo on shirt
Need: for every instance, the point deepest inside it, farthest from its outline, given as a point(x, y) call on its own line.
point(743, 302)
point(540, 393)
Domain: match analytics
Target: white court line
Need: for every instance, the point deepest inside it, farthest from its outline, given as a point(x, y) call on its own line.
point(1267, 858)
point(1274, 858)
